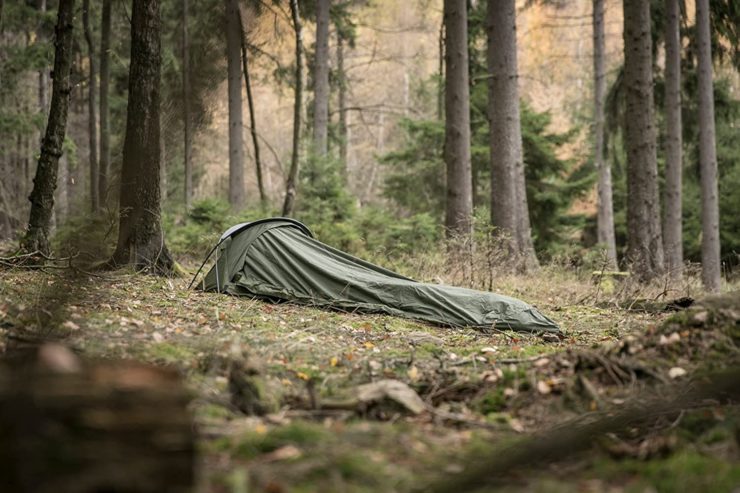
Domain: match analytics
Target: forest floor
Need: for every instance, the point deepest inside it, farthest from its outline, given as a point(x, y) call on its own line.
point(466, 397)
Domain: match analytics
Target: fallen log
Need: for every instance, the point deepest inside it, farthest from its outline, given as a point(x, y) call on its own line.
point(68, 425)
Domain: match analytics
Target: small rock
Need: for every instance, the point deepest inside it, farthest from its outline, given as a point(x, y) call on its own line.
point(489, 349)
point(157, 337)
point(676, 372)
point(541, 362)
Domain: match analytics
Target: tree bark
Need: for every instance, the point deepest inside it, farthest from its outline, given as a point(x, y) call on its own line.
point(186, 107)
point(441, 70)
point(91, 109)
point(605, 215)
point(236, 122)
point(343, 128)
point(710, 246)
point(672, 237)
point(645, 243)
point(459, 205)
point(509, 208)
point(321, 78)
point(252, 119)
point(140, 238)
point(104, 163)
point(292, 182)
point(45, 181)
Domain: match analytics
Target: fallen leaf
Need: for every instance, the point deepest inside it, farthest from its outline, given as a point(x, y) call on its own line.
point(671, 339)
point(516, 425)
point(543, 387)
point(70, 325)
point(58, 358)
point(283, 453)
point(413, 373)
point(334, 361)
point(302, 375)
point(157, 337)
point(676, 372)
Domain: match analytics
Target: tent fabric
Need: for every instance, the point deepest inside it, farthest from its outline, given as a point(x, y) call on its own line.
point(278, 259)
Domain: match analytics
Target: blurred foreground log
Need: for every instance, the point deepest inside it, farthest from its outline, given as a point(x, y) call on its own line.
point(67, 425)
point(501, 465)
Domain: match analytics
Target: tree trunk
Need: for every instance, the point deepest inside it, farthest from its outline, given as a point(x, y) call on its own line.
point(140, 238)
point(91, 117)
point(321, 78)
point(645, 243)
point(292, 182)
point(343, 130)
point(236, 123)
point(252, 119)
point(710, 246)
point(186, 107)
point(605, 215)
point(45, 181)
point(672, 237)
point(62, 206)
point(43, 78)
point(459, 205)
point(441, 70)
point(509, 209)
point(104, 164)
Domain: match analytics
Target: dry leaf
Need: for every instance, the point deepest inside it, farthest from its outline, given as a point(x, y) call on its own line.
point(58, 358)
point(543, 387)
point(283, 453)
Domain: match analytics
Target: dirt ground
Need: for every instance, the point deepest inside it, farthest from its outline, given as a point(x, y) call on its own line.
point(281, 401)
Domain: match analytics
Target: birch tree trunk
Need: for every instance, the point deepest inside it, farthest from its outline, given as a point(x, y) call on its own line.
point(509, 210)
point(140, 237)
point(321, 78)
point(672, 237)
point(92, 124)
point(645, 242)
point(459, 206)
point(710, 246)
point(104, 163)
point(605, 216)
point(45, 181)
point(236, 122)
point(186, 108)
point(292, 182)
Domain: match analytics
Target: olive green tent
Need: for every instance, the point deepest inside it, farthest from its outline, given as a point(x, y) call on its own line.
point(278, 259)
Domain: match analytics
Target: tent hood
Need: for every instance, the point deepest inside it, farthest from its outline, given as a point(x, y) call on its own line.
point(278, 259)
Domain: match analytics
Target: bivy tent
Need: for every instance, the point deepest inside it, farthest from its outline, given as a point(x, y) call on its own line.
point(278, 259)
